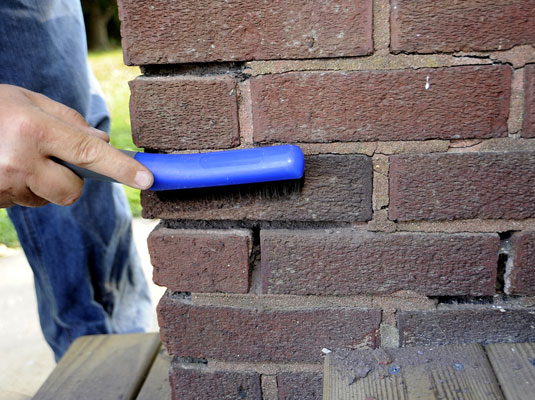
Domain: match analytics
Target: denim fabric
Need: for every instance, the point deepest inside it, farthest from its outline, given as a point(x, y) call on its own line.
point(87, 273)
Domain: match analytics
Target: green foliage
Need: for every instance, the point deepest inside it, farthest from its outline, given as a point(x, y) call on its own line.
point(8, 236)
point(113, 76)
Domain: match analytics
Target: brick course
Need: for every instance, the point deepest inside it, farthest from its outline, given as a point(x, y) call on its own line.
point(335, 188)
point(476, 324)
point(381, 105)
point(284, 335)
point(163, 32)
point(430, 26)
point(346, 262)
point(201, 260)
point(184, 112)
point(196, 384)
point(462, 186)
point(522, 279)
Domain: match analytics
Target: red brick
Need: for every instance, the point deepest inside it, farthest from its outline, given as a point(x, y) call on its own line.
point(300, 386)
point(429, 26)
point(382, 105)
point(285, 335)
point(462, 186)
point(196, 384)
point(522, 279)
point(172, 32)
point(466, 324)
point(346, 262)
point(529, 103)
point(335, 188)
point(184, 112)
point(201, 260)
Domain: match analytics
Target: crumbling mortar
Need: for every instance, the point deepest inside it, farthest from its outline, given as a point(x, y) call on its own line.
point(505, 262)
point(234, 69)
point(255, 263)
point(246, 224)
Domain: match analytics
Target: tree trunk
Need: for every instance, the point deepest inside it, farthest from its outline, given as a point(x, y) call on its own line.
point(96, 26)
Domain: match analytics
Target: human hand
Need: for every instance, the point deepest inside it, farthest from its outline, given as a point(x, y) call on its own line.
point(34, 128)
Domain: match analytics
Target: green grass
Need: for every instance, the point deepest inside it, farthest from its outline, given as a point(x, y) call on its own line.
point(113, 76)
point(8, 236)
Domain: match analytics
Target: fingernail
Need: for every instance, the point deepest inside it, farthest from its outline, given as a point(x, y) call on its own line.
point(143, 180)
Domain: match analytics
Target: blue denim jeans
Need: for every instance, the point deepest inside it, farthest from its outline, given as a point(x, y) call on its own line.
point(87, 273)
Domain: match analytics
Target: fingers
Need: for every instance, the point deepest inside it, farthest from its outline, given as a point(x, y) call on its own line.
point(62, 186)
point(75, 147)
point(63, 113)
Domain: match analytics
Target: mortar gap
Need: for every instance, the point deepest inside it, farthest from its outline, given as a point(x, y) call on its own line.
point(463, 299)
point(255, 262)
point(505, 261)
point(251, 224)
point(190, 360)
point(235, 69)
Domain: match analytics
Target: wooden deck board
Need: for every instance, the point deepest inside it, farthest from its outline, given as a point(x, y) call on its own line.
point(514, 366)
point(156, 386)
point(102, 367)
point(129, 367)
point(432, 372)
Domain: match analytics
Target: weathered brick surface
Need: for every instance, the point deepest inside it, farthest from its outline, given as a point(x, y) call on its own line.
point(164, 32)
point(529, 103)
point(430, 26)
point(201, 260)
point(382, 105)
point(196, 384)
point(346, 261)
point(234, 334)
point(300, 386)
point(335, 188)
point(184, 112)
point(522, 279)
point(462, 186)
point(462, 324)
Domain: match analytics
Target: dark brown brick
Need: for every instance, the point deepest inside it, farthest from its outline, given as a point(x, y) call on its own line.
point(300, 386)
point(346, 262)
point(234, 334)
point(382, 105)
point(184, 112)
point(429, 26)
point(529, 103)
point(522, 279)
point(462, 186)
point(196, 384)
point(201, 260)
point(335, 188)
point(164, 32)
point(466, 324)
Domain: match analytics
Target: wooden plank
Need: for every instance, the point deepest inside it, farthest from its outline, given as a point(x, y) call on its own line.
point(423, 372)
point(157, 384)
point(514, 366)
point(102, 367)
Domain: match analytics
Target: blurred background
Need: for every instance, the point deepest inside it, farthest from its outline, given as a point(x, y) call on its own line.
point(26, 358)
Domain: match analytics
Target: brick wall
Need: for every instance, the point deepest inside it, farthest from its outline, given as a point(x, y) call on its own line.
point(415, 222)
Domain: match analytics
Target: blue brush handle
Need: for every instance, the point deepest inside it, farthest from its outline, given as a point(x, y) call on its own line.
point(231, 167)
